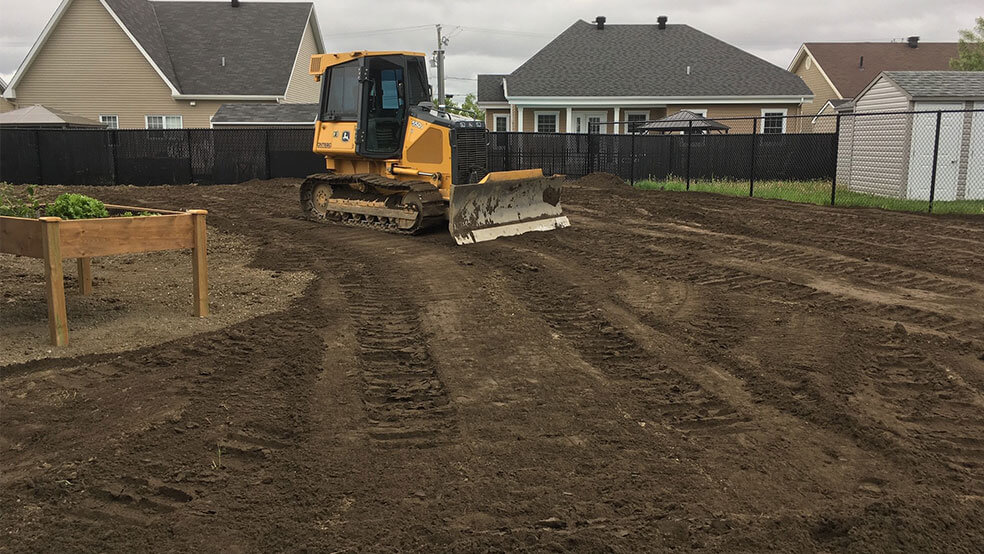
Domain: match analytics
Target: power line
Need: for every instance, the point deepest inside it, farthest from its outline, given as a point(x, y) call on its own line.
point(380, 31)
point(505, 31)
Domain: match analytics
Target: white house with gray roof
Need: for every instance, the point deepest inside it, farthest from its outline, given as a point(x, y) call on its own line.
point(162, 65)
point(887, 153)
point(596, 73)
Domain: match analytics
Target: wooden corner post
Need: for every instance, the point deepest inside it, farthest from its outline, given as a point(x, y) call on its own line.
point(54, 278)
point(199, 263)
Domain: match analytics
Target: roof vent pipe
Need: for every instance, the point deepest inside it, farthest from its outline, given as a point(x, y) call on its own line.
point(600, 21)
point(913, 42)
point(235, 3)
point(688, 70)
point(861, 63)
point(661, 20)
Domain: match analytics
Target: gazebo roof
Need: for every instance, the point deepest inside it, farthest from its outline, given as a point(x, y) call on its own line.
point(684, 121)
point(42, 116)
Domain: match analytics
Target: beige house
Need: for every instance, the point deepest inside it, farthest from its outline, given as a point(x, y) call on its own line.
point(163, 65)
point(836, 72)
point(594, 74)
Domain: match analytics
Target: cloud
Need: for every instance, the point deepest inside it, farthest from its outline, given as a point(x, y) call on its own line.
point(497, 36)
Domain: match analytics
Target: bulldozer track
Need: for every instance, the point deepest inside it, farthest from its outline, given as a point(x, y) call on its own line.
point(429, 205)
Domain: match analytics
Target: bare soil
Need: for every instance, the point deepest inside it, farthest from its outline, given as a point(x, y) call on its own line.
point(675, 371)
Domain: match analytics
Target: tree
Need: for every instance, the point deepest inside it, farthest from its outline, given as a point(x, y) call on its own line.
point(468, 108)
point(970, 50)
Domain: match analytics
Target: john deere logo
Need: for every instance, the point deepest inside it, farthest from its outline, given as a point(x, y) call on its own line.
point(345, 136)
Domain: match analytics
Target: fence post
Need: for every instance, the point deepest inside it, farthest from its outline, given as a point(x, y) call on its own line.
point(37, 141)
point(751, 172)
point(508, 163)
point(690, 139)
point(632, 165)
point(266, 140)
point(191, 161)
point(833, 185)
point(590, 155)
point(936, 155)
point(115, 138)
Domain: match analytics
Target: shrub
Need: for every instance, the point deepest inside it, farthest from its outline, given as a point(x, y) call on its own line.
point(18, 205)
point(76, 206)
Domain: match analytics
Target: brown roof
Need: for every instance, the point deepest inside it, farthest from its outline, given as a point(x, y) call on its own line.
point(841, 60)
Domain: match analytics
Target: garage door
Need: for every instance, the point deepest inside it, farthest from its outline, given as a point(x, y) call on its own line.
point(921, 155)
point(975, 159)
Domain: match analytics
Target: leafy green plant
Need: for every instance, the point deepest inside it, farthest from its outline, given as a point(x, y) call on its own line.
point(15, 204)
point(76, 206)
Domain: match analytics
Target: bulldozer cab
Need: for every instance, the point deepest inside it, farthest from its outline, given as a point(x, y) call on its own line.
point(376, 92)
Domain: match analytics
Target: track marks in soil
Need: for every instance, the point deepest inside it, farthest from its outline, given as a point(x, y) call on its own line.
point(931, 405)
point(664, 394)
point(131, 501)
point(703, 265)
point(406, 401)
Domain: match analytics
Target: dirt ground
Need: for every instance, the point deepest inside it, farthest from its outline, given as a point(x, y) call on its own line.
point(675, 371)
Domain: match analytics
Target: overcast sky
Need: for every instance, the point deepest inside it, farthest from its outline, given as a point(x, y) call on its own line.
point(496, 36)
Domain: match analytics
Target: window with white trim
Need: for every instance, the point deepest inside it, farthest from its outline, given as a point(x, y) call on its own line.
point(500, 122)
point(773, 121)
point(111, 121)
point(546, 122)
point(164, 121)
point(633, 117)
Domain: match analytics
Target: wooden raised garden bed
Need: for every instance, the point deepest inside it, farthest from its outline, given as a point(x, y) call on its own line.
point(53, 239)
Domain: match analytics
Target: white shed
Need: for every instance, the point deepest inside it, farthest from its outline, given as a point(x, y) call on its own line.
point(887, 152)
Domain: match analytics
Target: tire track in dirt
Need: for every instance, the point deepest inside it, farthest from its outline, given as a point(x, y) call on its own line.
point(670, 399)
point(623, 250)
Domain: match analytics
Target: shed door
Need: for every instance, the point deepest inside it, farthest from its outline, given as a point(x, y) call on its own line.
point(921, 154)
point(975, 159)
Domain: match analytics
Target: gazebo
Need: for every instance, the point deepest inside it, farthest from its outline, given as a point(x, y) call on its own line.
point(684, 121)
point(42, 117)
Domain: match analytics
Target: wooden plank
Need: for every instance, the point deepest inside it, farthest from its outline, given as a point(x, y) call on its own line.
point(21, 236)
point(136, 209)
point(199, 264)
point(54, 279)
point(88, 238)
point(85, 275)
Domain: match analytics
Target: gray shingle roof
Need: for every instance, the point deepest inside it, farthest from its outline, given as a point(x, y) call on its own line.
point(187, 41)
point(939, 84)
point(642, 60)
point(490, 88)
point(250, 112)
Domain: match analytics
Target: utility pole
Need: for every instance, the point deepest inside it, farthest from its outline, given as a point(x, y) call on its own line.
point(441, 99)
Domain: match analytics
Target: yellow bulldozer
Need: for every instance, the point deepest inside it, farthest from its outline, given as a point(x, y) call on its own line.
point(397, 163)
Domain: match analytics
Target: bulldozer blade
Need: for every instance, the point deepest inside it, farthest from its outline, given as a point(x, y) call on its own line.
point(503, 204)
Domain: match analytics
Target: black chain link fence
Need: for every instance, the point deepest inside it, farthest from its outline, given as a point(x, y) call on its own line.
point(155, 157)
point(924, 161)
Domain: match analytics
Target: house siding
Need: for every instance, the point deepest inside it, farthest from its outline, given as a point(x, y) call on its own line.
point(6, 106)
point(88, 66)
point(717, 111)
point(813, 77)
point(301, 88)
point(880, 143)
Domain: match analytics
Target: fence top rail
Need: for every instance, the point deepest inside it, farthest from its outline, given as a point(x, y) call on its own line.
point(799, 116)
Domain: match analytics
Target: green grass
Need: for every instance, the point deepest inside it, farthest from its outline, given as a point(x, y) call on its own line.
point(815, 192)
